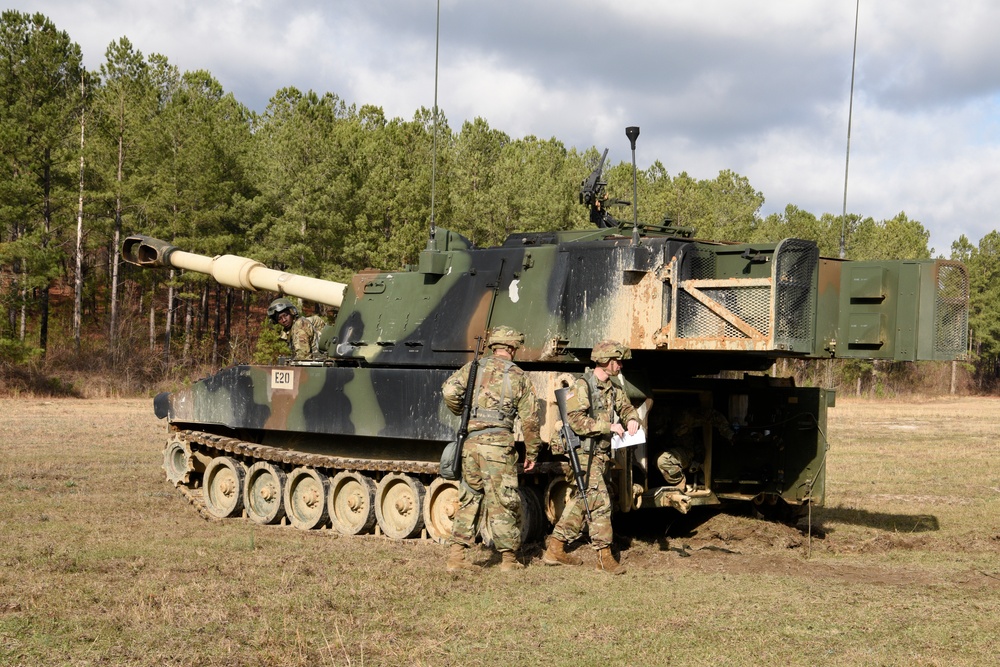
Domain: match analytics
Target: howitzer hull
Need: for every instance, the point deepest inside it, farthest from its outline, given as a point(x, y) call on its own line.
point(353, 441)
point(374, 423)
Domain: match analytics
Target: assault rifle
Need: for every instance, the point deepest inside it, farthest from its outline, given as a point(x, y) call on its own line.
point(572, 441)
point(451, 458)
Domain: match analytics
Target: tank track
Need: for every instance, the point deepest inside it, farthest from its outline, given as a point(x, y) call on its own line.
point(223, 444)
point(206, 446)
point(197, 500)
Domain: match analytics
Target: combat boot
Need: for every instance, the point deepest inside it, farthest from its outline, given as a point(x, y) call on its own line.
point(607, 563)
point(679, 486)
point(456, 559)
point(510, 562)
point(555, 554)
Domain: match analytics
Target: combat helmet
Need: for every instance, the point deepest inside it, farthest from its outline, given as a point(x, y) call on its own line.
point(502, 335)
point(279, 306)
point(607, 350)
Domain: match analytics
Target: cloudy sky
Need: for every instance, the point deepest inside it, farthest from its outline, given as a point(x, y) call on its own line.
point(761, 88)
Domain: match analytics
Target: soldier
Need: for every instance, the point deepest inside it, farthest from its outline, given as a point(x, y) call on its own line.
point(683, 447)
point(489, 460)
point(596, 409)
point(301, 333)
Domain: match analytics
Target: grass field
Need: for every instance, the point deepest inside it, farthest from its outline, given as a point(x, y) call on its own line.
point(103, 563)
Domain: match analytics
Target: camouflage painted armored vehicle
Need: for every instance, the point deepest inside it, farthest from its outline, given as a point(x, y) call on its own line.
point(353, 440)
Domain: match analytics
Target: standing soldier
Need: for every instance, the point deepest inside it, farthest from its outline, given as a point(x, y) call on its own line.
point(596, 409)
point(301, 333)
point(489, 460)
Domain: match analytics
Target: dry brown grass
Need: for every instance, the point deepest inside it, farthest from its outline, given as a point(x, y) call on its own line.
point(102, 563)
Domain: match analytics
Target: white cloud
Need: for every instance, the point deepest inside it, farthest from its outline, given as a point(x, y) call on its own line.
point(759, 88)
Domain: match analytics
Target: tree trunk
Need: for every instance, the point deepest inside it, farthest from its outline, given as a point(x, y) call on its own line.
point(229, 312)
point(116, 246)
point(152, 326)
point(246, 312)
point(24, 314)
point(217, 327)
point(78, 282)
point(188, 316)
point(202, 322)
point(170, 317)
point(43, 326)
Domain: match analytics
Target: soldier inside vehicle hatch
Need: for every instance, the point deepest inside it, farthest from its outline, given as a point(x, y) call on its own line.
point(301, 333)
point(682, 439)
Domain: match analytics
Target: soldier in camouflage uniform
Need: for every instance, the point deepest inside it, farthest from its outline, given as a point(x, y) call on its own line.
point(301, 333)
point(596, 409)
point(489, 460)
point(685, 434)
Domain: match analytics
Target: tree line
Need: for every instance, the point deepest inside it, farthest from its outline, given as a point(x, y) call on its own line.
point(312, 185)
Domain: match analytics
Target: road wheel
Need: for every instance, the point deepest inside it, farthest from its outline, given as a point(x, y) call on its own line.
point(263, 493)
point(440, 507)
point(399, 503)
point(305, 498)
point(223, 487)
point(352, 503)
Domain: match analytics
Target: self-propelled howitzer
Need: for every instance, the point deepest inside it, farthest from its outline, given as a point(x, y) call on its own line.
point(353, 440)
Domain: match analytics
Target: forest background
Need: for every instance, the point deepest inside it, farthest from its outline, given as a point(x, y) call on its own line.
point(317, 186)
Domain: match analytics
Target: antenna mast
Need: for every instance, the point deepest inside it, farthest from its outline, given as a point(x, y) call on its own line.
point(632, 132)
point(437, 49)
point(850, 114)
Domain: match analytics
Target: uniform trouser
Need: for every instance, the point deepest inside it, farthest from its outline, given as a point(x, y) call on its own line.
point(489, 488)
point(570, 524)
point(673, 462)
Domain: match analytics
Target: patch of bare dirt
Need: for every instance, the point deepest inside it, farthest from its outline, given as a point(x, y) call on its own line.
point(745, 545)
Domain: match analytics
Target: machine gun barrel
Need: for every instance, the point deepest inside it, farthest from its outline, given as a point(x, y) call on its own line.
point(592, 186)
point(231, 271)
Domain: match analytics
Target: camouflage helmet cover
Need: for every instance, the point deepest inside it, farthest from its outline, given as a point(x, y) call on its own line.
point(279, 306)
point(502, 335)
point(607, 350)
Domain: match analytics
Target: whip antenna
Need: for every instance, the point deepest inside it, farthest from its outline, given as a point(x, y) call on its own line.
point(850, 114)
point(437, 49)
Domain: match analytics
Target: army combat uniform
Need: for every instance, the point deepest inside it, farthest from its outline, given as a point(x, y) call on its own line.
point(302, 333)
point(683, 447)
point(591, 409)
point(303, 336)
point(489, 460)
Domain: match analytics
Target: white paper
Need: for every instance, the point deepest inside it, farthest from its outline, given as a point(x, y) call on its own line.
point(617, 441)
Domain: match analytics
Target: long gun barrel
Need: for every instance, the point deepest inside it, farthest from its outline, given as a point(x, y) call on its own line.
point(572, 441)
point(232, 271)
